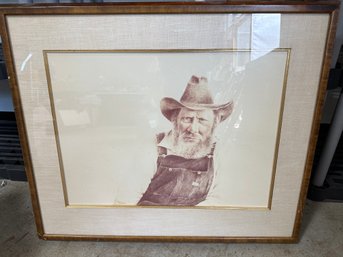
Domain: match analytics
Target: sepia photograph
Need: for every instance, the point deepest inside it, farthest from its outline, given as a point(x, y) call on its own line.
point(167, 128)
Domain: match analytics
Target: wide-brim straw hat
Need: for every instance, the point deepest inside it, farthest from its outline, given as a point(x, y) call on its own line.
point(196, 97)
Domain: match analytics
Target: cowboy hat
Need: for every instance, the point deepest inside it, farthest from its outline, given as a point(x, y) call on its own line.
point(196, 97)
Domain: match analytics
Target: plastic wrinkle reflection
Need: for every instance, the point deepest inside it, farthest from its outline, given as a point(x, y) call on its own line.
point(22, 67)
point(254, 31)
point(265, 33)
point(238, 122)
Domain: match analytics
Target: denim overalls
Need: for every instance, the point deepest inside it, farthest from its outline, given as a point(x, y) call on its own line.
point(179, 181)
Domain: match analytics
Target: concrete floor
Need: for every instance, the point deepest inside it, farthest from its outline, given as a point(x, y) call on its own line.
point(322, 235)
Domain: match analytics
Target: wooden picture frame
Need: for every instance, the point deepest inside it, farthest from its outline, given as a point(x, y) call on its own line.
point(262, 68)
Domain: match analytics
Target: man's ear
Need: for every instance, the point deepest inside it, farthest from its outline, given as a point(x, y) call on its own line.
point(224, 113)
point(174, 115)
point(220, 114)
point(217, 117)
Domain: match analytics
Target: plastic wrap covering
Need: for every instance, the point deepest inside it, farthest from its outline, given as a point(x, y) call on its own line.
point(109, 105)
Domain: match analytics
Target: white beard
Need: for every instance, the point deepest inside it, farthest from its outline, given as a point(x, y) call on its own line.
point(191, 150)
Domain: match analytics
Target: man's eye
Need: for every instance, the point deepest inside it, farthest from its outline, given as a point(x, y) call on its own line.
point(202, 120)
point(187, 119)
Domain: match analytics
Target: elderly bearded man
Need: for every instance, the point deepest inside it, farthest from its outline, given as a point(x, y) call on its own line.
point(185, 163)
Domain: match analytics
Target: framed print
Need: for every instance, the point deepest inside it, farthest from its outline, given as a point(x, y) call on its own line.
point(169, 121)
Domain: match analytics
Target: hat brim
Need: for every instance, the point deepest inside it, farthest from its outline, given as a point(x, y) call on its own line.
point(170, 105)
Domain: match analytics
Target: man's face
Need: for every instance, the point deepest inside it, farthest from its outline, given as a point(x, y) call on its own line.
point(193, 132)
point(195, 126)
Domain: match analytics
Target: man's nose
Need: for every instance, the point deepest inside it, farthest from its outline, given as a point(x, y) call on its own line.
point(194, 126)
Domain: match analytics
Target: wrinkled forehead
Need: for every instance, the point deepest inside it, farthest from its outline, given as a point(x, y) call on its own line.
point(207, 114)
